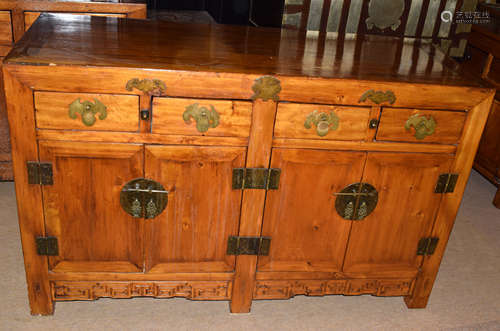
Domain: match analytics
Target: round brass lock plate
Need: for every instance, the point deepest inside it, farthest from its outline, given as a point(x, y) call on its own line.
point(143, 198)
point(356, 201)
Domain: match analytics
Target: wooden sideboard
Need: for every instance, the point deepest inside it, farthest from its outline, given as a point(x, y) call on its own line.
point(16, 16)
point(234, 163)
point(484, 61)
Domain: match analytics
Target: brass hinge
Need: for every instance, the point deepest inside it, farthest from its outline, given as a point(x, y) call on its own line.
point(427, 246)
point(39, 173)
point(256, 178)
point(47, 246)
point(248, 245)
point(446, 183)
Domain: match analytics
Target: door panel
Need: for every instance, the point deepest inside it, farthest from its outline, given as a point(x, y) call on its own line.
point(387, 239)
point(306, 232)
point(202, 211)
point(82, 208)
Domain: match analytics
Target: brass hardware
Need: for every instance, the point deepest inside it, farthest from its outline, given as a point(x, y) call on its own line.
point(373, 123)
point(324, 122)
point(154, 87)
point(204, 117)
point(256, 178)
point(423, 126)
point(87, 111)
point(446, 183)
point(47, 246)
point(143, 197)
point(144, 114)
point(40, 173)
point(248, 245)
point(385, 14)
point(427, 246)
point(266, 87)
point(378, 97)
point(356, 201)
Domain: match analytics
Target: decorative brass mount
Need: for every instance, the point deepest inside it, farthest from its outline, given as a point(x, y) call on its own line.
point(324, 122)
point(266, 87)
point(423, 126)
point(248, 245)
point(154, 87)
point(356, 201)
point(143, 197)
point(204, 117)
point(87, 111)
point(378, 97)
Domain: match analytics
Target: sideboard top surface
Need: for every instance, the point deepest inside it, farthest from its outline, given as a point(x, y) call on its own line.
point(58, 39)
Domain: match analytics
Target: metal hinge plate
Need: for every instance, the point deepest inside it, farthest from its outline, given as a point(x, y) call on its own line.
point(256, 178)
point(248, 245)
point(446, 183)
point(40, 173)
point(427, 246)
point(47, 246)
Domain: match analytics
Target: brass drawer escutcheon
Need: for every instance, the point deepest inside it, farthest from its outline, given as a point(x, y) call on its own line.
point(324, 122)
point(143, 197)
point(87, 111)
point(378, 97)
point(356, 201)
point(423, 126)
point(205, 118)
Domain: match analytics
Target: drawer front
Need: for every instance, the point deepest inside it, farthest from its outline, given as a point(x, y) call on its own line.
point(423, 126)
point(321, 122)
point(5, 27)
point(30, 17)
point(79, 111)
point(4, 50)
point(201, 117)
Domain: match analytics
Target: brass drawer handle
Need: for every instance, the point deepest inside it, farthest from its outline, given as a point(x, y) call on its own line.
point(143, 197)
point(423, 126)
point(87, 111)
point(378, 97)
point(324, 122)
point(205, 118)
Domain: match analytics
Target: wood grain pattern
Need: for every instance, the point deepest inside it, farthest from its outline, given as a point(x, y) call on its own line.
point(448, 130)
point(5, 27)
point(202, 212)
point(300, 217)
point(387, 239)
point(234, 117)
point(279, 289)
point(82, 208)
point(193, 290)
point(4, 49)
point(30, 17)
point(52, 111)
point(353, 122)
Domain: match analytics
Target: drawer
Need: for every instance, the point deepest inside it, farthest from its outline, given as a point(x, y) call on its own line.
point(201, 117)
point(4, 50)
point(103, 112)
point(434, 126)
point(30, 17)
point(5, 27)
point(322, 122)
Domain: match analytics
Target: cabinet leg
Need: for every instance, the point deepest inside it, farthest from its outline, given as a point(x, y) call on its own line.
point(496, 200)
point(40, 299)
point(244, 283)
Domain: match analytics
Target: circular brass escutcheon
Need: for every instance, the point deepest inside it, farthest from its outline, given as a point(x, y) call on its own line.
point(356, 201)
point(143, 198)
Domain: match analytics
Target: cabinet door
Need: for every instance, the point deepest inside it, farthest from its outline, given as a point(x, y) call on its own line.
point(387, 239)
point(306, 232)
point(82, 207)
point(202, 211)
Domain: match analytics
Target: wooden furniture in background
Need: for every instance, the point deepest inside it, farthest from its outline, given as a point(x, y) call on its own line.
point(148, 178)
point(16, 16)
point(484, 61)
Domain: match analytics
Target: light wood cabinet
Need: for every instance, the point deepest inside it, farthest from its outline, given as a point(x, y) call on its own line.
point(165, 179)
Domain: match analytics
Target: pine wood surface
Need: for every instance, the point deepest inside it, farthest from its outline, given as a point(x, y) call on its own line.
point(182, 252)
point(5, 27)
